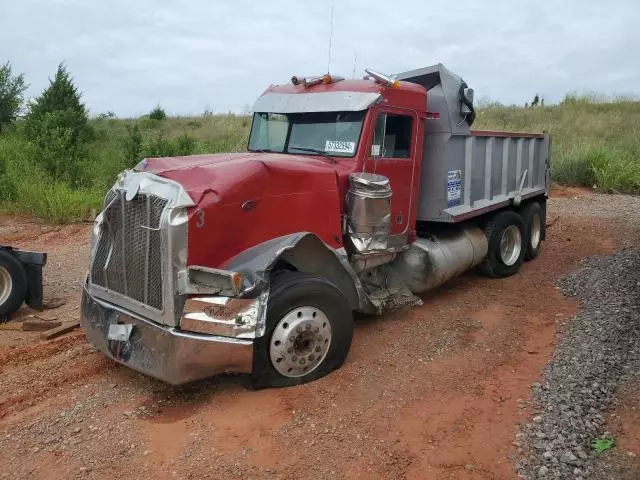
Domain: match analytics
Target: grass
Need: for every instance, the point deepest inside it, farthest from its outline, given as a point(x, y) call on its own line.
point(596, 143)
point(603, 444)
point(26, 189)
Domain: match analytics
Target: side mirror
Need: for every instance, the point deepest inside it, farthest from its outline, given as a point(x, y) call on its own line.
point(467, 100)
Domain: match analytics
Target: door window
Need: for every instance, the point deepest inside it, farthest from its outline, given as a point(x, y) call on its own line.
point(392, 136)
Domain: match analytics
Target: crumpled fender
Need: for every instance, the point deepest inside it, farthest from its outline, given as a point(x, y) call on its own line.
point(307, 253)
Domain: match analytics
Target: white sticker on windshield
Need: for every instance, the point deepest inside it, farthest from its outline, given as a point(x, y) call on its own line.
point(336, 146)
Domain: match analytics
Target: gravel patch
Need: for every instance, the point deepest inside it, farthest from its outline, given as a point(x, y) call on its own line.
point(619, 463)
point(599, 349)
point(596, 205)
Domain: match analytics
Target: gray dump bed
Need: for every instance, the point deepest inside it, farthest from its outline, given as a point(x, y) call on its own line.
point(468, 172)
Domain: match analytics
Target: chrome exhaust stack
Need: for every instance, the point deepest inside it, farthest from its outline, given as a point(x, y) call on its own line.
point(368, 225)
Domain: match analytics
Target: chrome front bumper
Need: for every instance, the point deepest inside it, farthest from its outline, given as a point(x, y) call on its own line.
point(166, 353)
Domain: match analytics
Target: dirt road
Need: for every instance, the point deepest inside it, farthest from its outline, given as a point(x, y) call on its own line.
point(435, 392)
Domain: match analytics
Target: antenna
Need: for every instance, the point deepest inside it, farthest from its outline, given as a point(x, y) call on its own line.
point(355, 62)
point(330, 37)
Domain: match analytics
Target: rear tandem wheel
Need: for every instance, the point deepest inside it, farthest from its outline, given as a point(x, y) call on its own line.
point(505, 233)
point(533, 218)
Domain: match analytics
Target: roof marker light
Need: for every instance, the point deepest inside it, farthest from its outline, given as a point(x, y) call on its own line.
point(310, 81)
point(387, 80)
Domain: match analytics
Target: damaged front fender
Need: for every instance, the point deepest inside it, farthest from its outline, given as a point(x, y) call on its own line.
point(305, 252)
point(244, 314)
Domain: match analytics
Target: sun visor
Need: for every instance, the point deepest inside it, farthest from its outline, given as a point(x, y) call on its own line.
point(315, 102)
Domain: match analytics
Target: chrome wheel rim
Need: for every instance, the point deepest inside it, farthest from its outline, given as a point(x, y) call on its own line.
point(300, 341)
point(510, 245)
point(6, 285)
point(536, 231)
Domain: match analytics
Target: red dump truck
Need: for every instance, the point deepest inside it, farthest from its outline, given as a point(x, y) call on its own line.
point(353, 196)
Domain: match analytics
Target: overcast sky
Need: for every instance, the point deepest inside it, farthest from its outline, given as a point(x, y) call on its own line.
point(129, 55)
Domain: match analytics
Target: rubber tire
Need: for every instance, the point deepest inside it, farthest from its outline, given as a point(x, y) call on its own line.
point(492, 266)
point(19, 285)
point(528, 212)
point(288, 291)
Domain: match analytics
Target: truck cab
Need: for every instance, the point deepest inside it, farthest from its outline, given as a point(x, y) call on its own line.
point(353, 195)
point(379, 130)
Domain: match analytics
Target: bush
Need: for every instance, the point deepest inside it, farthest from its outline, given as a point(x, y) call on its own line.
point(58, 125)
point(157, 113)
point(60, 96)
point(60, 152)
point(32, 190)
point(159, 146)
point(614, 172)
point(7, 187)
point(132, 145)
point(12, 88)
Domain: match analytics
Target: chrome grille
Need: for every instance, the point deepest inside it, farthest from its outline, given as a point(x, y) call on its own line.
point(128, 257)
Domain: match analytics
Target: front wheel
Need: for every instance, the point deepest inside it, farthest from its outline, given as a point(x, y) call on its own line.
point(308, 332)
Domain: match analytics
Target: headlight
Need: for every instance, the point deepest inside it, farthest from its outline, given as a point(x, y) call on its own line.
point(197, 280)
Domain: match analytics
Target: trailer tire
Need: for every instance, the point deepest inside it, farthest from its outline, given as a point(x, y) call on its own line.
point(505, 234)
point(13, 285)
point(533, 218)
point(311, 315)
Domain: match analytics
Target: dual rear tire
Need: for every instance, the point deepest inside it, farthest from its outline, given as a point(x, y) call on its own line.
point(513, 237)
point(13, 284)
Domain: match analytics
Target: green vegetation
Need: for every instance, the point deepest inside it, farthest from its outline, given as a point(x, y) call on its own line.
point(56, 163)
point(57, 124)
point(602, 444)
point(157, 113)
point(596, 140)
point(28, 186)
point(12, 88)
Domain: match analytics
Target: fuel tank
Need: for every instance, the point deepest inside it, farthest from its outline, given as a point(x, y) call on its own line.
point(430, 262)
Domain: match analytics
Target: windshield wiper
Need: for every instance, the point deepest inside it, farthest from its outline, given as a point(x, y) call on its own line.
point(264, 150)
point(315, 150)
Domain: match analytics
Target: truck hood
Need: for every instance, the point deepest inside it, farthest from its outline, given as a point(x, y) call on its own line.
point(239, 177)
point(245, 199)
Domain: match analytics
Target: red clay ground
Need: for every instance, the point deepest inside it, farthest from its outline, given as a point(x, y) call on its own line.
point(435, 392)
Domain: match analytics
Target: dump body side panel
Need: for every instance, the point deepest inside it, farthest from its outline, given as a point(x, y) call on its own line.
point(465, 172)
point(464, 176)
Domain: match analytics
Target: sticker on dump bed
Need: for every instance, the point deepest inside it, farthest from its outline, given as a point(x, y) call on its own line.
point(454, 187)
point(337, 146)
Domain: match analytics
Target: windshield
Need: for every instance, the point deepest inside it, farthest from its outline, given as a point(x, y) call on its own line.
point(333, 133)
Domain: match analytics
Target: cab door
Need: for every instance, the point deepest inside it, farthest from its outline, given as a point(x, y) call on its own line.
point(392, 153)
